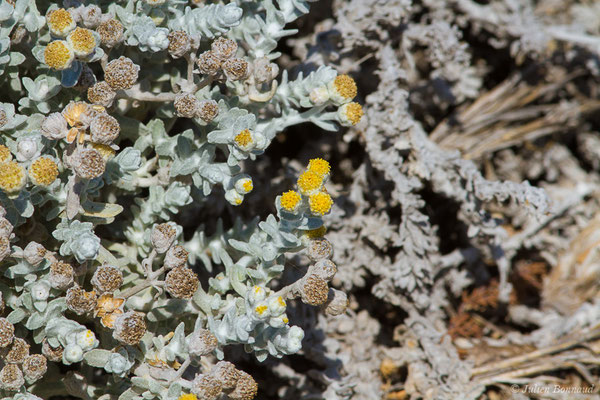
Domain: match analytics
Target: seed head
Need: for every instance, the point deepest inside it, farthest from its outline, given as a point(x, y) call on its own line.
point(5, 227)
point(342, 89)
point(58, 55)
point(53, 354)
point(91, 15)
point(3, 118)
point(206, 387)
point(226, 373)
point(201, 343)
point(246, 387)
point(224, 48)
point(309, 182)
point(107, 278)
point(176, 256)
point(89, 164)
point(34, 253)
point(11, 378)
point(208, 110)
point(12, 176)
point(350, 114)
point(130, 327)
point(60, 22)
point(186, 105)
point(162, 237)
point(179, 43)
point(314, 291)
point(264, 71)
point(337, 302)
point(61, 275)
point(181, 282)
point(5, 154)
point(81, 302)
point(4, 247)
point(104, 129)
point(121, 73)
point(325, 269)
point(82, 42)
point(34, 367)
point(43, 171)
point(111, 32)
point(101, 93)
point(17, 352)
point(290, 200)
point(54, 126)
point(236, 69)
point(208, 63)
point(7, 332)
point(319, 249)
point(320, 203)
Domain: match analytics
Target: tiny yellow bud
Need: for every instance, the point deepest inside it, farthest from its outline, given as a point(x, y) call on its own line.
point(260, 309)
point(244, 139)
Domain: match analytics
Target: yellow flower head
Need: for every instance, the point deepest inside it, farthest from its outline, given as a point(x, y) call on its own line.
point(43, 171)
point(244, 185)
point(58, 55)
point(188, 396)
point(350, 114)
point(309, 182)
point(244, 140)
point(12, 176)
point(261, 309)
point(60, 22)
point(319, 167)
point(5, 154)
point(281, 301)
point(320, 203)
point(107, 152)
point(82, 42)
point(285, 320)
point(316, 233)
point(342, 89)
point(290, 200)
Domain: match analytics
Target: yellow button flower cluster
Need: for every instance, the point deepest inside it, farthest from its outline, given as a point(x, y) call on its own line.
point(310, 190)
point(78, 42)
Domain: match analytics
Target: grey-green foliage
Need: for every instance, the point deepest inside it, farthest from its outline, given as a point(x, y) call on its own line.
point(112, 187)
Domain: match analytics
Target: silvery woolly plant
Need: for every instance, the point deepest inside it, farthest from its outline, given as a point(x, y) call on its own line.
point(97, 274)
